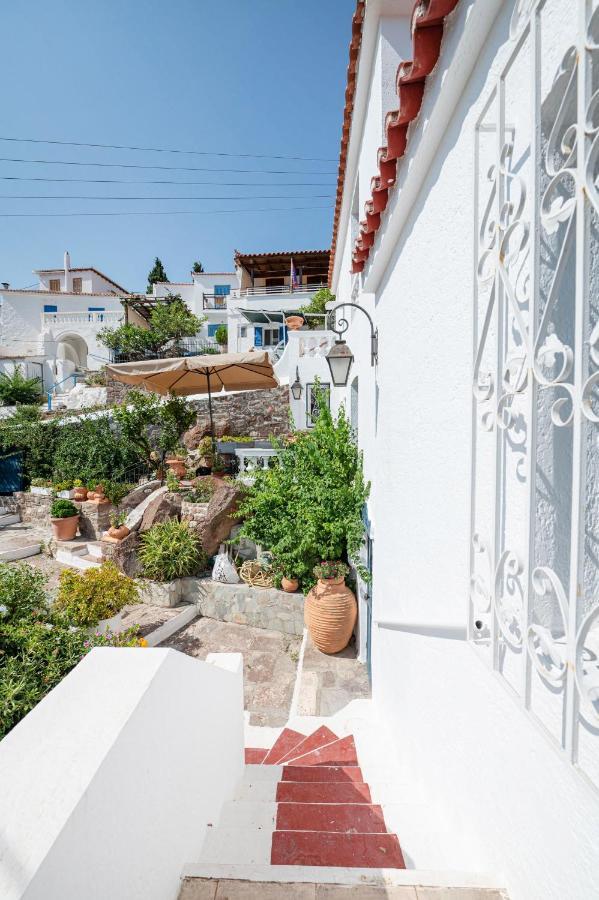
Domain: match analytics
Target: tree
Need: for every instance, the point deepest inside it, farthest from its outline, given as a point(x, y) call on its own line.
point(150, 423)
point(170, 321)
point(318, 305)
point(221, 335)
point(197, 267)
point(157, 273)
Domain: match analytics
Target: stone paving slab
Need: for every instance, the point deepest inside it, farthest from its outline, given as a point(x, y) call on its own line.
point(269, 663)
point(227, 889)
point(330, 682)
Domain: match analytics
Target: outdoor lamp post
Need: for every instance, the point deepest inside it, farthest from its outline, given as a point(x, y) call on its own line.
point(296, 387)
point(340, 357)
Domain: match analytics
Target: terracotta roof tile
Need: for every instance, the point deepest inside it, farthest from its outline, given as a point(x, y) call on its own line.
point(428, 20)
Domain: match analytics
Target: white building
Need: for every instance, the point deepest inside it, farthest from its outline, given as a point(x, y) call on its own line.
point(466, 226)
point(51, 331)
point(252, 301)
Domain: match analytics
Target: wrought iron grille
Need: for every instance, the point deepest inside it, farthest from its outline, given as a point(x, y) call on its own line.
point(534, 567)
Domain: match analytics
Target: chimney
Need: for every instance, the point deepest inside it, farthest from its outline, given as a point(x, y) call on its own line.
point(67, 266)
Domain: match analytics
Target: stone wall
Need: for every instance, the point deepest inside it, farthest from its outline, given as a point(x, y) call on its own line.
point(258, 414)
point(94, 517)
point(266, 608)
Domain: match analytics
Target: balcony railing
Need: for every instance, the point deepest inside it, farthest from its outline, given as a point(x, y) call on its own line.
point(82, 318)
point(215, 301)
point(279, 289)
point(185, 347)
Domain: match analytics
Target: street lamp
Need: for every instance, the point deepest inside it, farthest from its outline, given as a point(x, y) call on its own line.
point(296, 387)
point(340, 357)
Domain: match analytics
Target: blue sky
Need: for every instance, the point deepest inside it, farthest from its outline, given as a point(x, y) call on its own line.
point(232, 76)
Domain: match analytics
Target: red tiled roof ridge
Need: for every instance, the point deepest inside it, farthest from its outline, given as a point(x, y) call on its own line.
point(354, 52)
point(428, 21)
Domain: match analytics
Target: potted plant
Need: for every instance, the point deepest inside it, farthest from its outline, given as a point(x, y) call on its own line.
point(176, 462)
point(206, 455)
point(118, 530)
point(289, 584)
point(80, 490)
point(95, 598)
point(294, 323)
point(41, 486)
point(64, 516)
point(221, 336)
point(96, 493)
point(64, 489)
point(218, 467)
point(330, 610)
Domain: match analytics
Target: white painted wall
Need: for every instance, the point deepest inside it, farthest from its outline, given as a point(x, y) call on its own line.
point(305, 354)
point(499, 796)
point(109, 784)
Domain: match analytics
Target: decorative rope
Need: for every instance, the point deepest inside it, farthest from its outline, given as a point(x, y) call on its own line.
point(253, 573)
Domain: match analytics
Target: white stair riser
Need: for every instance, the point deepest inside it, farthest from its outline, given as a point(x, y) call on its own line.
point(74, 560)
point(243, 845)
point(9, 519)
point(20, 552)
point(95, 549)
point(248, 814)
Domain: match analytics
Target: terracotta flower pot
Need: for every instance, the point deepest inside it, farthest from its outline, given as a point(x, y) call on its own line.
point(290, 585)
point(330, 613)
point(294, 323)
point(119, 532)
point(80, 494)
point(65, 529)
point(177, 465)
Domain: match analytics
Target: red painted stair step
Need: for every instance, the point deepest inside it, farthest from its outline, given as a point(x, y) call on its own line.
point(319, 792)
point(318, 738)
point(318, 848)
point(254, 755)
point(348, 818)
point(284, 744)
point(338, 753)
point(321, 773)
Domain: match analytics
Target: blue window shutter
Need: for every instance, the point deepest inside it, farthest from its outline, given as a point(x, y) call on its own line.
point(96, 309)
point(281, 333)
point(212, 330)
point(257, 336)
point(49, 307)
point(222, 290)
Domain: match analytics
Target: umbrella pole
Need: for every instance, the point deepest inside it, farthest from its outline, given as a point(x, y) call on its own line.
point(211, 421)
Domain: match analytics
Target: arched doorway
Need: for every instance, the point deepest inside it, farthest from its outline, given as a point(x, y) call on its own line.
point(72, 348)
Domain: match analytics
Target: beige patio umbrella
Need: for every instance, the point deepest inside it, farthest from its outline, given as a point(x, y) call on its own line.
point(208, 374)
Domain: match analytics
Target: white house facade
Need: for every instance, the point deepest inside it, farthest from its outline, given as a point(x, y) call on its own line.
point(466, 228)
point(52, 331)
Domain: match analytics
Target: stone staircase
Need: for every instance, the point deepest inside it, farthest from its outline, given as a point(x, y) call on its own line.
point(8, 518)
point(304, 823)
point(80, 554)
point(18, 540)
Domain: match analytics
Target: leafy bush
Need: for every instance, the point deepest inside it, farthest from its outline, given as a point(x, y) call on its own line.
point(94, 450)
point(98, 593)
point(171, 550)
point(170, 321)
point(331, 568)
point(202, 492)
point(308, 507)
point(63, 509)
point(96, 379)
point(221, 335)
point(317, 305)
point(16, 388)
point(22, 593)
point(41, 482)
point(115, 491)
point(172, 482)
point(64, 485)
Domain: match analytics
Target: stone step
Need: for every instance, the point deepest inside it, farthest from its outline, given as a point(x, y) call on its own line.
point(95, 549)
point(344, 818)
point(338, 753)
point(319, 848)
point(255, 755)
point(321, 773)
point(9, 519)
point(19, 549)
point(287, 741)
point(314, 792)
point(77, 559)
point(240, 882)
point(244, 846)
point(318, 738)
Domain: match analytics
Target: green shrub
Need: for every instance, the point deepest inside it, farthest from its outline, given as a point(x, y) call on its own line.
point(63, 509)
point(317, 305)
point(16, 388)
point(85, 599)
point(41, 482)
point(202, 492)
point(94, 450)
point(221, 335)
point(115, 491)
point(151, 423)
point(308, 507)
point(64, 485)
point(22, 593)
point(171, 550)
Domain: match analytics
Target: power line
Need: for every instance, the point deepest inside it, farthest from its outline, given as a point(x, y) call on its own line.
point(87, 197)
point(168, 150)
point(59, 162)
point(178, 212)
point(165, 181)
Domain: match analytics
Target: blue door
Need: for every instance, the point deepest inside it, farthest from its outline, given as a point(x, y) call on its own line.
point(11, 473)
point(257, 336)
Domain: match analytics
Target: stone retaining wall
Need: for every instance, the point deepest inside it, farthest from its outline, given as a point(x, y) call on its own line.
point(94, 517)
point(266, 608)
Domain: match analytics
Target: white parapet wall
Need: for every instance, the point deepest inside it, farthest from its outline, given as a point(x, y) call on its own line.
point(108, 786)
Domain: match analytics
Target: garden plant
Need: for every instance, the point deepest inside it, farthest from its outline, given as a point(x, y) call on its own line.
point(171, 550)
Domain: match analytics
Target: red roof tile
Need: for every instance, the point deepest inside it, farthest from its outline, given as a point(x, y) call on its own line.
point(428, 19)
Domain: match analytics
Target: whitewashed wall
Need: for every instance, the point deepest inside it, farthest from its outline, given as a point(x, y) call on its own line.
point(500, 797)
point(109, 784)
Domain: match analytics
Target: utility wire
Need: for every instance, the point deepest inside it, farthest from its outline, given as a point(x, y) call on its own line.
point(166, 181)
point(178, 212)
point(87, 197)
point(59, 162)
point(167, 150)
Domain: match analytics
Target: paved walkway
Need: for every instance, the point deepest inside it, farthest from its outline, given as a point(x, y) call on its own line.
point(329, 683)
point(269, 663)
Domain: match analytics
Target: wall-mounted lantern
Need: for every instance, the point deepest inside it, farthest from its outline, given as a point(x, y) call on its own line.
point(296, 387)
point(340, 357)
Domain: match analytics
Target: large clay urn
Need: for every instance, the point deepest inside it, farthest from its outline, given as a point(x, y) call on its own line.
point(65, 529)
point(330, 613)
point(294, 323)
